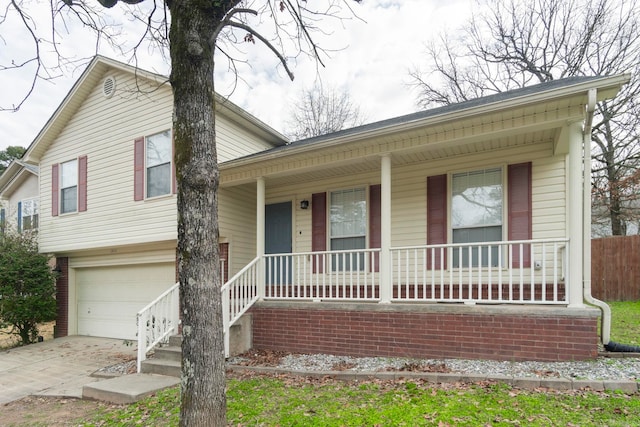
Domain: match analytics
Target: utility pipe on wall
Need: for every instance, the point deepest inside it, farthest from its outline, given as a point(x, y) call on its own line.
point(586, 221)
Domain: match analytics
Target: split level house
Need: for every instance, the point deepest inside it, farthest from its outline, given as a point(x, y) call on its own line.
point(461, 231)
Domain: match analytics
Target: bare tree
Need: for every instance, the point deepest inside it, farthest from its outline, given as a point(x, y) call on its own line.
point(193, 30)
point(319, 111)
point(515, 43)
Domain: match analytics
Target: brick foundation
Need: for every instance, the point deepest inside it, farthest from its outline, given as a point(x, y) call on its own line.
point(428, 331)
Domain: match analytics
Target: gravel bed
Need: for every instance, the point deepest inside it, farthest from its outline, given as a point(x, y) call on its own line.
point(602, 368)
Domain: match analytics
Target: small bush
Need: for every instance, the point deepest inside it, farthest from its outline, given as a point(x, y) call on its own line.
point(27, 286)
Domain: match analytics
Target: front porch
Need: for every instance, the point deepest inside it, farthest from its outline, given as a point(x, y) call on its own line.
point(513, 272)
point(499, 300)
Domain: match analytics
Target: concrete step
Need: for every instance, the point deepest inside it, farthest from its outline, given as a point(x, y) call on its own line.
point(161, 367)
point(127, 388)
point(175, 341)
point(172, 353)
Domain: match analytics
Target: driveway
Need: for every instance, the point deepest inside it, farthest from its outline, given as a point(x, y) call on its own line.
point(58, 367)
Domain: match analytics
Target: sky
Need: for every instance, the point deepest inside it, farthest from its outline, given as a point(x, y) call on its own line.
point(370, 57)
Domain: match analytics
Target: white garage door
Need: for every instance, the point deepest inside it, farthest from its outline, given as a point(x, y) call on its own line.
point(109, 297)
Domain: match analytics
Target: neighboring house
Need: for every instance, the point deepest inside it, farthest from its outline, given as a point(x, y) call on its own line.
point(107, 191)
point(453, 232)
point(19, 197)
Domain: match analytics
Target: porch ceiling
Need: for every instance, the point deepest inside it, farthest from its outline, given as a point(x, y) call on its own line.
point(361, 158)
point(435, 137)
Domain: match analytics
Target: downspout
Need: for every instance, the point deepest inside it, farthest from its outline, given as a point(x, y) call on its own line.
point(586, 222)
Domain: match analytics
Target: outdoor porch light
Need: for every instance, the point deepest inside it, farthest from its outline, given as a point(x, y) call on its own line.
point(304, 204)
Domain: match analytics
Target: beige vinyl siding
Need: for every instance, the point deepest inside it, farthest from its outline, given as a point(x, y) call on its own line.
point(104, 130)
point(27, 190)
point(237, 220)
point(408, 193)
point(233, 140)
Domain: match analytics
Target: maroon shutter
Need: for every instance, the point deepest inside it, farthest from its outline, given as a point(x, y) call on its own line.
point(82, 183)
point(375, 236)
point(55, 182)
point(174, 178)
point(318, 229)
point(519, 210)
point(138, 169)
point(436, 220)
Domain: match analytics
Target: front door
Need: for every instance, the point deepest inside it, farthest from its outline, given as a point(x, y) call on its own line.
point(277, 240)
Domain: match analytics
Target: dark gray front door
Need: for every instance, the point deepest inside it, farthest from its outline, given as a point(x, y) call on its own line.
point(277, 240)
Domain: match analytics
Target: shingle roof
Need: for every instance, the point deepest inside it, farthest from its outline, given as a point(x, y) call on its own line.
point(477, 102)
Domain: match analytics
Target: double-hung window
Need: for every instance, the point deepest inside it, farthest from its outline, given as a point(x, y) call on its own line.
point(158, 151)
point(476, 216)
point(69, 186)
point(29, 214)
point(348, 228)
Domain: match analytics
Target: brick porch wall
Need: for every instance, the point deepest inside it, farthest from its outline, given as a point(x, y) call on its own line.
point(427, 331)
point(62, 299)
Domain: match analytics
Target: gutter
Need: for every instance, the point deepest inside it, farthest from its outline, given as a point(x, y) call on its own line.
point(586, 221)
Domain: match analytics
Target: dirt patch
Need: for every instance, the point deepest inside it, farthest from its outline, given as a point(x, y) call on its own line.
point(50, 411)
point(9, 340)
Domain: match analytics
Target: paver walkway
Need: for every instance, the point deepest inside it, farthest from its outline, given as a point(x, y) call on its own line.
point(58, 367)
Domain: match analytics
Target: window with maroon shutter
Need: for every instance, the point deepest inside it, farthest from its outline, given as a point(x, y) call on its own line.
point(436, 220)
point(69, 186)
point(519, 210)
point(476, 216)
point(318, 229)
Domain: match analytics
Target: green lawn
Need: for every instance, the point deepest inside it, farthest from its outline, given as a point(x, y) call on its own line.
point(267, 401)
point(263, 401)
point(625, 322)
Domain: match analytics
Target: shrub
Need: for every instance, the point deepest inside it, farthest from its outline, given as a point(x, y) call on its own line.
point(27, 286)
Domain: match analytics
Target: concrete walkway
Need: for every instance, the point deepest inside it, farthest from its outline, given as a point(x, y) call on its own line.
point(58, 367)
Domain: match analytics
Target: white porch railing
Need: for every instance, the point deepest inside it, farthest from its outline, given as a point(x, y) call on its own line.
point(526, 271)
point(328, 275)
point(518, 272)
point(157, 321)
point(239, 294)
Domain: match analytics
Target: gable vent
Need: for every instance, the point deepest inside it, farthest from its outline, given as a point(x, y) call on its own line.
point(109, 86)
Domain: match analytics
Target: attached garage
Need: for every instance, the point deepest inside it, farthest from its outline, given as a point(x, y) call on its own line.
point(108, 297)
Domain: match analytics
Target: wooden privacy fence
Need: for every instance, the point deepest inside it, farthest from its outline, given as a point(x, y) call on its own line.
point(615, 268)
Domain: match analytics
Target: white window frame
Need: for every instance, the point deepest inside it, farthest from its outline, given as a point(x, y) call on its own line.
point(30, 206)
point(149, 164)
point(68, 184)
point(503, 220)
point(358, 234)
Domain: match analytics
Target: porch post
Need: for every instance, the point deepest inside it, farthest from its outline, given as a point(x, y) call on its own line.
point(260, 198)
point(386, 291)
point(575, 215)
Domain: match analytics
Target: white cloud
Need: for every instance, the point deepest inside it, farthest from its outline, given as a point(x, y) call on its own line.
point(371, 59)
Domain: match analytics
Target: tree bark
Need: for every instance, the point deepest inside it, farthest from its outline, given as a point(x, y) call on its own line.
point(193, 22)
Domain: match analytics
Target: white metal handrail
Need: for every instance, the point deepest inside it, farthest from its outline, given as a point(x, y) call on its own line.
point(157, 321)
point(238, 295)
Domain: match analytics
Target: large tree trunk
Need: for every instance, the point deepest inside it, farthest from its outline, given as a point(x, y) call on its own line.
point(193, 23)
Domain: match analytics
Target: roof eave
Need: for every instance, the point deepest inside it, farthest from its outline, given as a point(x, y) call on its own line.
point(607, 87)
